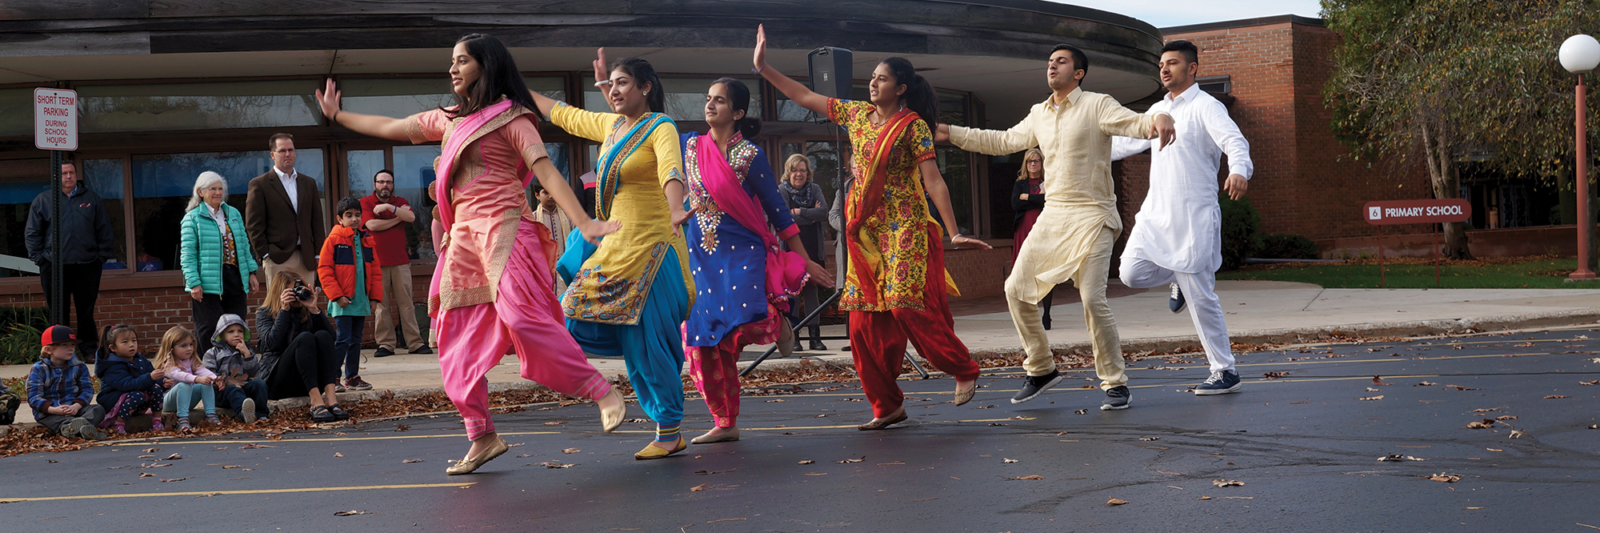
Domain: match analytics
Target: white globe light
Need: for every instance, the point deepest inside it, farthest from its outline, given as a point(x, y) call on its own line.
point(1580, 53)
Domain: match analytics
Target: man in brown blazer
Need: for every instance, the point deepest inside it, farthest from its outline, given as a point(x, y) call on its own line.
point(283, 216)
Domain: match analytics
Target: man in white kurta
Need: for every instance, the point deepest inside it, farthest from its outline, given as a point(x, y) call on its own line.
point(1074, 235)
point(1177, 235)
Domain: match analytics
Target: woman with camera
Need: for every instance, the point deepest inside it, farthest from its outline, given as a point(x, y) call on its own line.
point(296, 347)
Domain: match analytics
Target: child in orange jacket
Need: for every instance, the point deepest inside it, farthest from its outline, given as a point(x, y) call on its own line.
point(354, 285)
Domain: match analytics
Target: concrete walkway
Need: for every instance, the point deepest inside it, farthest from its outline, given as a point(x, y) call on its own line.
point(1258, 312)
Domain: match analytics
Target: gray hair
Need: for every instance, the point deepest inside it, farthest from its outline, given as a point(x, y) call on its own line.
point(202, 183)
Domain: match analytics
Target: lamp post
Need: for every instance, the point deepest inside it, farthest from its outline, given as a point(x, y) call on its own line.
point(1579, 55)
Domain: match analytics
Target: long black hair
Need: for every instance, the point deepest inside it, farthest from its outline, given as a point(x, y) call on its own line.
point(919, 94)
point(642, 73)
point(498, 77)
point(739, 100)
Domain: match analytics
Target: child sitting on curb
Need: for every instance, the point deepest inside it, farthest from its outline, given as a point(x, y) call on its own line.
point(195, 384)
point(231, 358)
point(129, 384)
point(59, 388)
point(354, 285)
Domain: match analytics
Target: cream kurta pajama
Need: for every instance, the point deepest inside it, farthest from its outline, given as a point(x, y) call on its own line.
point(1073, 237)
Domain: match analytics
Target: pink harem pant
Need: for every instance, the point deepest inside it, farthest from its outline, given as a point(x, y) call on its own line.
point(525, 318)
point(715, 369)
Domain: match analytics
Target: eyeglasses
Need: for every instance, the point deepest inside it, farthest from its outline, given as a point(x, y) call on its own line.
point(283, 151)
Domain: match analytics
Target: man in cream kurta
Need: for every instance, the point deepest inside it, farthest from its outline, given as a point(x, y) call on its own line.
point(1073, 237)
point(1177, 235)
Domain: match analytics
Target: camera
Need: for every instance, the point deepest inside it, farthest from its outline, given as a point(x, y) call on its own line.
point(301, 292)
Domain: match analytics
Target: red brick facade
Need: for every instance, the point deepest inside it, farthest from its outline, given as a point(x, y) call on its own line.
point(1305, 182)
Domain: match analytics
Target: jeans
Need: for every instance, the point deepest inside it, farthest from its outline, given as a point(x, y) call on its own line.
point(233, 396)
point(183, 397)
point(347, 344)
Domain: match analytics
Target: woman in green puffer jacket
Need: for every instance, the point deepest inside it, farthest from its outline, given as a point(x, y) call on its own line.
point(217, 264)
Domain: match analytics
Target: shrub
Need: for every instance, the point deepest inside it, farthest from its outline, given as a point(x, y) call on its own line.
point(1241, 231)
point(19, 334)
point(1286, 246)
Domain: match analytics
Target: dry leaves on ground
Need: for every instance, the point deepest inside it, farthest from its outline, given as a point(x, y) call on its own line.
point(1398, 457)
point(1115, 501)
point(409, 461)
point(1486, 423)
point(1149, 438)
point(1445, 478)
point(1555, 397)
point(807, 462)
point(1591, 382)
point(351, 512)
point(1274, 375)
point(1425, 384)
point(1081, 412)
point(1023, 478)
point(1378, 380)
point(1370, 398)
point(550, 464)
point(1517, 434)
point(848, 461)
point(1008, 461)
point(1227, 483)
point(570, 450)
point(700, 487)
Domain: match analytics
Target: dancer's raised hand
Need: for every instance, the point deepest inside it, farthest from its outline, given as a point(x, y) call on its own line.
point(600, 74)
point(328, 99)
point(759, 62)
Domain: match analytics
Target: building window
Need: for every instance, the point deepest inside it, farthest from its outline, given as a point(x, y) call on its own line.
point(104, 177)
point(16, 112)
point(1215, 85)
point(20, 182)
point(413, 175)
point(403, 97)
point(686, 98)
point(163, 184)
point(197, 106)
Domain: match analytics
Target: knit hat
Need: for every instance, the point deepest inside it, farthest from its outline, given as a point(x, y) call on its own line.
point(57, 335)
point(230, 320)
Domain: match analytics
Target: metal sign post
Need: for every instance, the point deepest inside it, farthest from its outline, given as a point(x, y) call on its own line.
point(55, 128)
point(1429, 212)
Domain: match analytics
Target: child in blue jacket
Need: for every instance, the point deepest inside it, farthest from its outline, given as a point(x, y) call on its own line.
point(129, 384)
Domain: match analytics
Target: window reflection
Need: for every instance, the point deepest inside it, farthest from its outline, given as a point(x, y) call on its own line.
point(197, 106)
point(104, 177)
point(20, 182)
point(162, 185)
point(686, 98)
point(413, 173)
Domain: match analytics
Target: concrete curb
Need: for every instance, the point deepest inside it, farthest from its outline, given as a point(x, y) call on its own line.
point(1420, 328)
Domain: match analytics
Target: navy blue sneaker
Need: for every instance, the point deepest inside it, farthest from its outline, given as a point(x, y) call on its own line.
point(1224, 382)
point(1176, 302)
point(1116, 398)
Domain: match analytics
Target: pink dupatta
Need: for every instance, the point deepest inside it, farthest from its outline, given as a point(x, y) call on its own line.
point(786, 271)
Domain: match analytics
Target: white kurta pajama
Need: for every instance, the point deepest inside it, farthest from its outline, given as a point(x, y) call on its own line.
point(1177, 235)
point(1075, 232)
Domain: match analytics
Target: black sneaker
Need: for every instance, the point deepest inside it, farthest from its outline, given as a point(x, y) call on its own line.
point(1032, 386)
point(1116, 398)
point(383, 352)
point(356, 383)
point(1224, 382)
point(421, 351)
point(1176, 302)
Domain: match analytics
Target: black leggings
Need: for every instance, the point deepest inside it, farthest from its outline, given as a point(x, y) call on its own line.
point(308, 363)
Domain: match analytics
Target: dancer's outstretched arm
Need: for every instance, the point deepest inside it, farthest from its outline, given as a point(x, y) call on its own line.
point(793, 89)
point(393, 129)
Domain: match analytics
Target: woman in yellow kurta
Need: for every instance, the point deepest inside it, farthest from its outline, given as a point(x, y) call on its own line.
point(630, 295)
point(896, 283)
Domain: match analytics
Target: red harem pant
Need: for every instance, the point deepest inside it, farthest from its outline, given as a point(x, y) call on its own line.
point(878, 341)
point(715, 369)
point(526, 318)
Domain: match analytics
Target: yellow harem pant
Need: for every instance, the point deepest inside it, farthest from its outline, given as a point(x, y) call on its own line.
point(1038, 269)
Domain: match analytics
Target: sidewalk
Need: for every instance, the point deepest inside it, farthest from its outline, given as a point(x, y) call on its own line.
point(1257, 312)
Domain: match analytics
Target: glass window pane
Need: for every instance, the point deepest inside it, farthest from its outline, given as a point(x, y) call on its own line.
point(413, 174)
point(554, 87)
point(686, 98)
point(395, 97)
point(104, 177)
point(190, 106)
point(953, 108)
point(363, 166)
point(16, 112)
point(163, 184)
point(958, 177)
point(20, 182)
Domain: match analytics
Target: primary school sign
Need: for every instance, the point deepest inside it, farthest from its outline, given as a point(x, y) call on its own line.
point(1418, 211)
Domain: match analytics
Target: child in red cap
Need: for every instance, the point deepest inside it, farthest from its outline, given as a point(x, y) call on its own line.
point(59, 388)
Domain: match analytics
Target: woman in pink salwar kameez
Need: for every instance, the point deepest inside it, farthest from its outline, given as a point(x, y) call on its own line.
point(491, 289)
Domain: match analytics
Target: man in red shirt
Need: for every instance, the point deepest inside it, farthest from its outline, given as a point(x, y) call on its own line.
point(385, 215)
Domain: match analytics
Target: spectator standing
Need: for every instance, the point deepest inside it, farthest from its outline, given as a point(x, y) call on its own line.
point(281, 214)
point(551, 215)
point(1027, 201)
point(85, 246)
point(215, 256)
point(385, 216)
point(809, 208)
point(353, 286)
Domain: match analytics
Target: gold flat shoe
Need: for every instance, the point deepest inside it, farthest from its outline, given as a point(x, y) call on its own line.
point(899, 417)
point(610, 419)
point(652, 452)
point(785, 337)
point(468, 464)
point(725, 437)
point(964, 397)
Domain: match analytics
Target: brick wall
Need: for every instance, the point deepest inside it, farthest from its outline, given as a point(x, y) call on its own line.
point(1305, 181)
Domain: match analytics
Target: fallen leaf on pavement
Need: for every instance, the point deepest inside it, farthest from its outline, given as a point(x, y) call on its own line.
point(1274, 375)
point(848, 461)
point(1370, 389)
point(779, 400)
point(1445, 478)
point(1425, 384)
point(1486, 423)
point(700, 487)
point(173, 480)
point(1081, 412)
point(1378, 380)
point(351, 512)
point(337, 454)
point(1555, 397)
point(549, 464)
point(146, 474)
point(409, 461)
point(1489, 410)
point(1205, 497)
point(1473, 508)
point(1398, 457)
point(1494, 449)
point(1458, 387)
point(152, 450)
point(1370, 398)
point(173, 457)
point(1227, 483)
point(555, 423)
point(988, 406)
point(1149, 438)
point(1593, 382)
point(1023, 478)
point(1115, 501)
point(402, 427)
point(1517, 433)
point(709, 472)
point(1505, 417)
point(807, 462)
point(1009, 461)
point(570, 450)
point(1594, 426)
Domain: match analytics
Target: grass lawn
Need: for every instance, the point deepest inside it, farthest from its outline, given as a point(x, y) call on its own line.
point(1418, 274)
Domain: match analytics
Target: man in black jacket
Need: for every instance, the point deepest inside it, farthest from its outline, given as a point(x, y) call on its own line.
point(85, 246)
